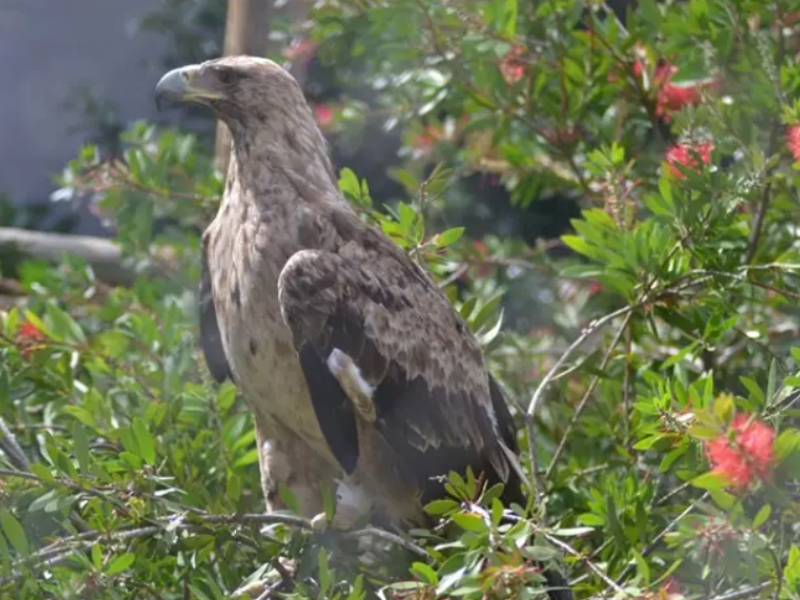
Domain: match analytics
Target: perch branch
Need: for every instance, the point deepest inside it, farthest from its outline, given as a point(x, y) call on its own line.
point(389, 537)
point(104, 256)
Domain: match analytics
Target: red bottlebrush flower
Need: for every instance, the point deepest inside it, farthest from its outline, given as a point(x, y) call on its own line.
point(793, 141)
point(747, 457)
point(511, 67)
point(28, 337)
point(428, 138)
point(300, 50)
point(29, 331)
point(675, 96)
point(323, 115)
point(681, 154)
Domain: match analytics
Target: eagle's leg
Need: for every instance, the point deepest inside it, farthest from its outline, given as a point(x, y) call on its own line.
point(289, 461)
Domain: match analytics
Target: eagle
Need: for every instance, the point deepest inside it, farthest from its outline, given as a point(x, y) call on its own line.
point(359, 372)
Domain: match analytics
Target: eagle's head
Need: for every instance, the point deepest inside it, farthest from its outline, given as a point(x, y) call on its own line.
point(237, 88)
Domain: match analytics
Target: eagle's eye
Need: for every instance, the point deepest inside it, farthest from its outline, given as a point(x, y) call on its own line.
point(227, 76)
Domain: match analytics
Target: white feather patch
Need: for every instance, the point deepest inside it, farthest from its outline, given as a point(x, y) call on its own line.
point(344, 368)
point(351, 504)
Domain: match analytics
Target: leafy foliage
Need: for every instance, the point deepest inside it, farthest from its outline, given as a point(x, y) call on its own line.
point(666, 370)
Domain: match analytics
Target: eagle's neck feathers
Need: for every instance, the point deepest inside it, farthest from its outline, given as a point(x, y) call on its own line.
point(271, 155)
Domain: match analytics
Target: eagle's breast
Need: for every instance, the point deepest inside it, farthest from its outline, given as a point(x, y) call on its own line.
point(246, 253)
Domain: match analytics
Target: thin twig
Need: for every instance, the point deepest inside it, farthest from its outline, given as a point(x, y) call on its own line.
point(389, 537)
point(748, 592)
point(271, 590)
point(536, 399)
point(626, 386)
point(657, 540)
point(35, 560)
point(587, 395)
point(672, 493)
point(766, 197)
point(11, 448)
point(572, 551)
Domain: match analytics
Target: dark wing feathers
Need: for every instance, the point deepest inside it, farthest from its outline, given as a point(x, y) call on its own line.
point(434, 403)
point(210, 337)
point(336, 414)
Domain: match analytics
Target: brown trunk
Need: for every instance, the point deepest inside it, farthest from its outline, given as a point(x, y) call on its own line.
point(246, 32)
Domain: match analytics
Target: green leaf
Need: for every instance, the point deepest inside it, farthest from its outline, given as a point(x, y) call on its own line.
point(710, 481)
point(724, 408)
point(62, 326)
point(593, 519)
point(144, 440)
point(112, 343)
point(648, 442)
point(470, 522)
point(348, 183)
point(424, 573)
point(120, 563)
point(701, 432)
point(581, 246)
point(795, 352)
point(540, 553)
point(81, 442)
point(755, 390)
point(510, 18)
point(14, 532)
point(614, 526)
point(642, 566)
point(791, 572)
point(497, 512)
point(448, 237)
point(441, 507)
point(762, 516)
point(43, 472)
point(723, 499)
point(674, 360)
point(771, 381)
point(248, 458)
point(5, 557)
point(787, 442)
point(325, 579)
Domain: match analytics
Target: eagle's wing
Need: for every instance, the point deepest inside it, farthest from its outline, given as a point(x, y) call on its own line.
point(210, 337)
point(407, 351)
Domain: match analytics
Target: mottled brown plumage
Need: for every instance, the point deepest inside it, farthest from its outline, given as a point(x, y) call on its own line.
point(355, 365)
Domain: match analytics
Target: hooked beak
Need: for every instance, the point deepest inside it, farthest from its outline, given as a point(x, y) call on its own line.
point(181, 85)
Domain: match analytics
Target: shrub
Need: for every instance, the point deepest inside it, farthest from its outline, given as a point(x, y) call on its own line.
point(657, 396)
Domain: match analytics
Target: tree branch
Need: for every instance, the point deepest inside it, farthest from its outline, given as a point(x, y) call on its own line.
point(104, 256)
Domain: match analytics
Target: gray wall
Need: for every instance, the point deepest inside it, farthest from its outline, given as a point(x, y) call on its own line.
point(47, 49)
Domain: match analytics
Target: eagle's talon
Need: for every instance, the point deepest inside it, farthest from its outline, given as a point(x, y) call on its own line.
point(320, 523)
